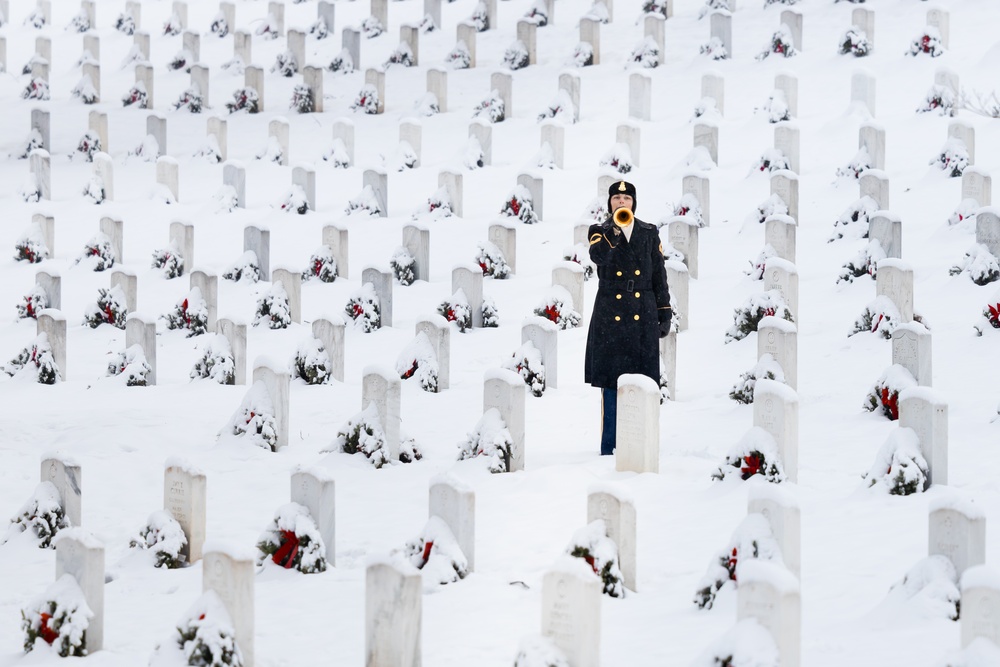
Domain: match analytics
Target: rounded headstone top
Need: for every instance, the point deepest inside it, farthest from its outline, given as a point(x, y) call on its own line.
point(397, 563)
point(41, 152)
point(754, 570)
point(545, 323)
point(450, 479)
point(265, 361)
point(622, 493)
point(81, 535)
point(957, 501)
point(780, 217)
point(776, 322)
point(887, 214)
point(234, 163)
point(761, 489)
point(571, 565)
point(166, 159)
point(644, 382)
point(56, 314)
point(676, 265)
point(894, 263)
point(923, 393)
point(981, 576)
point(321, 474)
point(184, 465)
point(504, 375)
point(435, 319)
point(235, 550)
point(779, 263)
point(910, 327)
point(775, 388)
point(60, 456)
point(382, 371)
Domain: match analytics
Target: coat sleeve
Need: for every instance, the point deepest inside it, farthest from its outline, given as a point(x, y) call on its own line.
point(602, 243)
point(660, 290)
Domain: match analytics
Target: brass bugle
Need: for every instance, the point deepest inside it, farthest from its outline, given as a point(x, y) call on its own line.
point(623, 217)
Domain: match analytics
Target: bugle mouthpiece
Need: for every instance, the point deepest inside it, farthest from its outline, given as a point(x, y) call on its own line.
point(623, 217)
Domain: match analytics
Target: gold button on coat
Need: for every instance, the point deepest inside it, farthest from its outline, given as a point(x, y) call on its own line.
point(617, 318)
point(618, 296)
point(636, 317)
point(637, 295)
point(619, 273)
point(637, 272)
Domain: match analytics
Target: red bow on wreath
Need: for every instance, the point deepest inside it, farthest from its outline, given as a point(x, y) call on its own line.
point(289, 549)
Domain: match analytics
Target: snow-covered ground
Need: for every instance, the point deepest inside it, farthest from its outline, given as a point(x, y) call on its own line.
point(856, 542)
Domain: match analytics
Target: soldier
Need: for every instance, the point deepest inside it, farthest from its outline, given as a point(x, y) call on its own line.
point(632, 308)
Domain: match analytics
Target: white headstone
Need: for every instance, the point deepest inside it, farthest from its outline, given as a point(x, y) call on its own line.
point(316, 491)
point(276, 382)
point(344, 130)
point(128, 282)
point(503, 83)
point(683, 235)
point(180, 10)
point(779, 233)
point(219, 128)
point(455, 504)
point(437, 85)
point(554, 135)
point(871, 137)
point(535, 189)
point(793, 19)
point(939, 18)
point(376, 77)
point(778, 338)
point(382, 387)
point(259, 241)
point(325, 12)
point(231, 577)
point(380, 10)
point(291, 281)
point(452, 182)
point(67, 477)
point(410, 36)
point(243, 46)
point(980, 605)
point(142, 332)
point(465, 33)
point(52, 323)
point(781, 511)
point(957, 530)
point(615, 507)
point(863, 89)
point(411, 132)
point(543, 334)
point(722, 29)
point(182, 240)
point(417, 241)
point(296, 41)
point(769, 593)
point(184, 497)
point(40, 123)
point(97, 122)
point(393, 610)
point(894, 279)
point(707, 134)
point(378, 180)
point(191, 42)
point(104, 170)
point(253, 77)
point(926, 412)
point(653, 25)
point(911, 349)
point(677, 282)
point(40, 165)
point(786, 140)
point(331, 334)
point(144, 75)
point(637, 446)
point(590, 34)
point(156, 126)
point(80, 555)
point(381, 282)
point(470, 281)
point(504, 391)
point(874, 183)
point(236, 335)
point(949, 79)
point(887, 229)
point(571, 611)
point(713, 86)
point(668, 357)
point(570, 82)
point(628, 133)
point(140, 41)
point(788, 84)
point(234, 175)
point(200, 82)
point(527, 34)
point(305, 178)
point(699, 186)
point(776, 410)
point(279, 130)
point(208, 286)
point(51, 284)
point(351, 40)
point(988, 230)
point(113, 228)
point(438, 333)
point(966, 133)
point(168, 175)
point(640, 93)
point(570, 276)
point(864, 21)
point(504, 236)
point(336, 238)
point(977, 185)
point(276, 10)
point(783, 276)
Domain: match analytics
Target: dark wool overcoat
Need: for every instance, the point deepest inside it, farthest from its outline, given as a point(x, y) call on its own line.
point(632, 299)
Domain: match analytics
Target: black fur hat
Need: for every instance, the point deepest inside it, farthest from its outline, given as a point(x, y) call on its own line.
point(621, 188)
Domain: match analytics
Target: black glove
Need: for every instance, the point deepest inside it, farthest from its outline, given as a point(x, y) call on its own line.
point(665, 325)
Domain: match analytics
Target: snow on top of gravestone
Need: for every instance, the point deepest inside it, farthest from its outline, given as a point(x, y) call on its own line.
point(40, 152)
point(231, 548)
point(235, 319)
point(544, 323)
point(81, 535)
point(416, 224)
point(121, 269)
point(893, 262)
point(754, 570)
point(506, 224)
point(379, 369)
point(707, 122)
point(787, 173)
point(449, 478)
point(644, 382)
point(167, 160)
point(622, 493)
point(144, 316)
point(777, 323)
point(333, 318)
point(780, 217)
point(958, 501)
point(267, 361)
point(913, 327)
point(62, 457)
point(395, 561)
point(54, 313)
point(995, 210)
point(286, 267)
point(933, 397)
point(676, 265)
point(779, 389)
point(779, 263)
point(981, 576)
point(876, 173)
point(687, 220)
point(747, 643)
point(761, 489)
point(184, 465)
point(469, 266)
point(435, 319)
point(573, 566)
point(53, 271)
point(239, 164)
point(887, 214)
point(573, 267)
point(504, 375)
point(321, 474)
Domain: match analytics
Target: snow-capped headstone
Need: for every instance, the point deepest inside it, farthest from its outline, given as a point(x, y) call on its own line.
point(977, 185)
point(97, 122)
point(191, 42)
point(455, 504)
point(305, 178)
point(769, 592)
point(156, 127)
point(185, 490)
point(325, 12)
point(988, 230)
point(229, 572)
point(330, 332)
point(432, 8)
point(788, 84)
point(234, 175)
point(887, 229)
point(393, 611)
point(894, 279)
point(640, 93)
point(336, 238)
point(40, 166)
point(776, 410)
point(779, 338)
point(315, 490)
point(46, 224)
point(411, 131)
point(437, 85)
point(253, 77)
point(276, 11)
point(707, 134)
point(134, 10)
point(721, 28)
point(376, 77)
point(677, 282)
point(699, 186)
point(779, 233)
point(465, 33)
point(786, 140)
point(276, 379)
point(113, 228)
point(381, 282)
point(291, 281)
point(81, 555)
point(351, 40)
point(469, 279)
point(140, 42)
point(236, 334)
point(89, 9)
point(543, 334)
point(344, 131)
point(382, 387)
point(864, 21)
point(793, 19)
point(417, 241)
point(874, 183)
point(378, 181)
point(980, 605)
point(614, 506)
point(713, 87)
point(144, 75)
point(452, 182)
point(168, 175)
point(940, 19)
point(957, 529)
point(926, 412)
point(180, 10)
point(208, 285)
point(40, 70)
point(779, 507)
point(278, 130)
point(66, 476)
point(668, 357)
point(200, 82)
point(628, 133)
point(129, 284)
point(966, 133)
point(654, 25)
point(259, 241)
point(438, 333)
point(504, 237)
point(871, 137)
point(40, 123)
point(242, 45)
point(181, 237)
point(570, 276)
point(52, 323)
point(92, 72)
point(142, 332)
point(380, 11)
point(527, 34)
point(491, 14)
point(590, 34)
point(51, 284)
point(296, 42)
point(504, 390)
point(911, 349)
point(410, 36)
point(43, 47)
point(783, 276)
point(570, 82)
point(554, 135)
point(104, 170)
point(683, 235)
point(637, 446)
point(949, 79)
point(535, 188)
point(571, 610)
point(503, 83)
point(863, 83)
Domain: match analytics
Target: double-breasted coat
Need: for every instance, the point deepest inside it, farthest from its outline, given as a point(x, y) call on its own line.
point(632, 300)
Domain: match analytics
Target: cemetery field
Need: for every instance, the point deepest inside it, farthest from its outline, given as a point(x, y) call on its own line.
point(848, 573)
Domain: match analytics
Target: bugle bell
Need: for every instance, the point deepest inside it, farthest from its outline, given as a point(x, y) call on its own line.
point(623, 217)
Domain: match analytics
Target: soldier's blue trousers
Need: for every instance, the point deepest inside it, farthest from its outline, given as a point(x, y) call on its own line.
point(609, 411)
